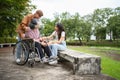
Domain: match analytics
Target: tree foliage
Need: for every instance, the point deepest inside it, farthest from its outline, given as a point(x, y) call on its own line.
point(114, 26)
point(11, 13)
point(75, 26)
point(49, 26)
point(99, 23)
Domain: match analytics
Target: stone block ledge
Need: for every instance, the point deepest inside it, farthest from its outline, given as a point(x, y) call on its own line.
point(83, 63)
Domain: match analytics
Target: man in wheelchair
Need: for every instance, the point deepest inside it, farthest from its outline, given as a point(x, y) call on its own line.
point(29, 28)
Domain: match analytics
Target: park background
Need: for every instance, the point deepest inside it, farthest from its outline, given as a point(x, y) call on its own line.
point(95, 32)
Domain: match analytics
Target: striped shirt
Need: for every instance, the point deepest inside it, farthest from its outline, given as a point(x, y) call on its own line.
point(33, 33)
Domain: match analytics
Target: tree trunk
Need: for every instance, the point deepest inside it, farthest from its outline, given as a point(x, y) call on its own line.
point(88, 39)
point(110, 35)
point(80, 41)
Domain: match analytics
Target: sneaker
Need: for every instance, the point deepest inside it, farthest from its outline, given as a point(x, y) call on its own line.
point(18, 60)
point(37, 59)
point(53, 62)
point(44, 60)
point(54, 57)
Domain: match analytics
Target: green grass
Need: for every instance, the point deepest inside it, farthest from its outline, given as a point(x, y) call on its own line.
point(109, 66)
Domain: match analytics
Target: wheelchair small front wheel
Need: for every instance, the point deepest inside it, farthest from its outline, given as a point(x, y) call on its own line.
point(20, 52)
point(31, 63)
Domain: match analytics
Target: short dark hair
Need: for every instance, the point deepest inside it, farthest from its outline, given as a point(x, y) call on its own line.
point(33, 23)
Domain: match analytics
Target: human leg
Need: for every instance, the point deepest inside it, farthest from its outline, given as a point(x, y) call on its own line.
point(54, 49)
point(47, 51)
point(40, 51)
point(38, 45)
point(19, 49)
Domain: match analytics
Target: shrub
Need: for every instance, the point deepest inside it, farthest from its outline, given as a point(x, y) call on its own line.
point(96, 43)
point(8, 40)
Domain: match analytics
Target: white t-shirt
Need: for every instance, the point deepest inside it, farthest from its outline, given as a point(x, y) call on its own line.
point(56, 35)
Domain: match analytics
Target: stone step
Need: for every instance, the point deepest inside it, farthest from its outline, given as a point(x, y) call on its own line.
point(83, 63)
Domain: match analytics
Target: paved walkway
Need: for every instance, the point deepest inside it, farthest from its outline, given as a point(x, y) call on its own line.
point(10, 71)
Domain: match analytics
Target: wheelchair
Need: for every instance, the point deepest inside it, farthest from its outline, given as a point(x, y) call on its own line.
point(26, 51)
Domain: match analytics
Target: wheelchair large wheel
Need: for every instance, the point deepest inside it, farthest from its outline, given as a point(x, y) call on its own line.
point(21, 52)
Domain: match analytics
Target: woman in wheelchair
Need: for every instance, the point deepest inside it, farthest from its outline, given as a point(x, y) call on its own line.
point(33, 33)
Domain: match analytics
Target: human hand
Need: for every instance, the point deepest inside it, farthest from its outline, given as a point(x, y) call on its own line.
point(43, 43)
point(44, 38)
point(36, 40)
point(41, 39)
point(37, 26)
point(27, 28)
point(22, 35)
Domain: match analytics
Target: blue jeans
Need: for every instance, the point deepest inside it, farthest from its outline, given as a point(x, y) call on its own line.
point(19, 50)
point(55, 47)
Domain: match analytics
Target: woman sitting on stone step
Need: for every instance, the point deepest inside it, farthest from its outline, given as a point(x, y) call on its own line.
point(58, 43)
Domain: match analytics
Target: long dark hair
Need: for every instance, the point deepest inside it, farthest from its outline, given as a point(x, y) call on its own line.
point(60, 29)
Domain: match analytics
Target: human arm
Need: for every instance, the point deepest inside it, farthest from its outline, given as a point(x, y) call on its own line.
point(49, 37)
point(25, 21)
point(62, 38)
point(57, 42)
